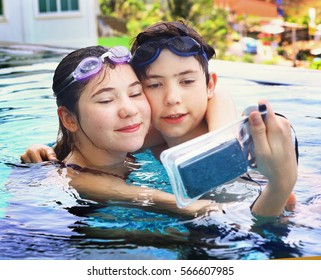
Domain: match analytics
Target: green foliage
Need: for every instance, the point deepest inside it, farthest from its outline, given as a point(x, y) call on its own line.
point(316, 65)
point(230, 57)
point(248, 58)
point(270, 62)
point(107, 7)
point(114, 41)
point(215, 30)
point(149, 15)
point(124, 9)
point(210, 22)
point(179, 8)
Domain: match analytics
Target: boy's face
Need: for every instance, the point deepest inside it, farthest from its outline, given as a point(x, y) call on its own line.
point(178, 94)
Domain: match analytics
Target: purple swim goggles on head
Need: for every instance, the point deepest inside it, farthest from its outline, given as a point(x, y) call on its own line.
point(90, 66)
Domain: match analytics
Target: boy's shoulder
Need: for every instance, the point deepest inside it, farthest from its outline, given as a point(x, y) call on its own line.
point(157, 150)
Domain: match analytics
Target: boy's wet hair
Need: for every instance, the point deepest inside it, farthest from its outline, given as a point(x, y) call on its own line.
point(168, 30)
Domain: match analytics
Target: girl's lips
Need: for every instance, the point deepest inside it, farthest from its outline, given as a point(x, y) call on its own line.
point(175, 118)
point(130, 128)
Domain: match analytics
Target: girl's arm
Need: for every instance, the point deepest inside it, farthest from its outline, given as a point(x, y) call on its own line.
point(38, 153)
point(103, 188)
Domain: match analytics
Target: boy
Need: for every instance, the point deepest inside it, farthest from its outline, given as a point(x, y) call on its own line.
point(171, 60)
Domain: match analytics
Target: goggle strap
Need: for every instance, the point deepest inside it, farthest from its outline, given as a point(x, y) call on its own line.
point(69, 80)
point(204, 54)
point(105, 55)
point(112, 57)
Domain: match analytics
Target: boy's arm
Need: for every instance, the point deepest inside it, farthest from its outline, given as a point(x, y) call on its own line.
point(274, 150)
point(276, 160)
point(221, 110)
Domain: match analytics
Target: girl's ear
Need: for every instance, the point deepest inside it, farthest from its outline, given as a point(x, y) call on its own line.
point(211, 85)
point(68, 119)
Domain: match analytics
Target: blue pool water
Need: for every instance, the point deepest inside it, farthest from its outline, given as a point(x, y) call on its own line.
point(42, 219)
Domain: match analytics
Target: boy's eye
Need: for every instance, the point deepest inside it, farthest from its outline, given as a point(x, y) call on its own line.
point(188, 81)
point(153, 85)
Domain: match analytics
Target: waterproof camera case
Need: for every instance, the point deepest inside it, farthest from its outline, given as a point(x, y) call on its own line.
point(208, 161)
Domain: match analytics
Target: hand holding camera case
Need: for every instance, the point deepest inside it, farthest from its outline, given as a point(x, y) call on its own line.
point(208, 161)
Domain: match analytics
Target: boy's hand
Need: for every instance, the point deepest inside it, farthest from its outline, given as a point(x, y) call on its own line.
point(38, 153)
point(275, 159)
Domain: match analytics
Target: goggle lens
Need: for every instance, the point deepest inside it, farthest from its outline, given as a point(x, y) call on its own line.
point(88, 67)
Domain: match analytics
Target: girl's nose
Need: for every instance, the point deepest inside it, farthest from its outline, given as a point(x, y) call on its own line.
point(128, 108)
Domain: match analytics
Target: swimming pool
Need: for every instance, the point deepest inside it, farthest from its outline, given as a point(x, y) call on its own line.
point(41, 219)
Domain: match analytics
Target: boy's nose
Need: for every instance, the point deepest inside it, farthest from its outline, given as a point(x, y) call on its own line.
point(173, 95)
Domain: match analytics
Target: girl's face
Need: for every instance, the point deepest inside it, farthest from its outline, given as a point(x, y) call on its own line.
point(178, 95)
point(114, 114)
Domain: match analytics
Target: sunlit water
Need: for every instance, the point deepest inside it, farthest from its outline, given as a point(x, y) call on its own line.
point(41, 218)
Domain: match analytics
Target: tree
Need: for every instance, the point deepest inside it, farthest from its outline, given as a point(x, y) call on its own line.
point(180, 8)
point(209, 21)
point(124, 9)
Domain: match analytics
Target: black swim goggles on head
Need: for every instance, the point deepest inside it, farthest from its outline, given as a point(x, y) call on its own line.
point(148, 52)
point(90, 66)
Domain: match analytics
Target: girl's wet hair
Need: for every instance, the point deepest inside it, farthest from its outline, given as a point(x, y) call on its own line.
point(168, 30)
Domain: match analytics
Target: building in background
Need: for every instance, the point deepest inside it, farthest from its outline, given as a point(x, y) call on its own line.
point(65, 23)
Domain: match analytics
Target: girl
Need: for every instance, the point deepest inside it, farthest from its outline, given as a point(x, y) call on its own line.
point(103, 116)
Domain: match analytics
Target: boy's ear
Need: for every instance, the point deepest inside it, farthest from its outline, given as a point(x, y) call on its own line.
point(68, 119)
point(211, 85)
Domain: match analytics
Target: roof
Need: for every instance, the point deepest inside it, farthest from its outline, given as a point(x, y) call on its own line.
point(250, 7)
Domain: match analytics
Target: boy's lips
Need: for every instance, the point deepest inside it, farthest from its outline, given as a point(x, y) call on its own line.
point(130, 128)
point(174, 118)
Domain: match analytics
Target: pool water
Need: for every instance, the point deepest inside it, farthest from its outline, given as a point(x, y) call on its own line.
point(41, 218)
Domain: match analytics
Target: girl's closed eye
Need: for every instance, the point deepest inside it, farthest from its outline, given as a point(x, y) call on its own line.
point(105, 98)
point(105, 101)
point(136, 94)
